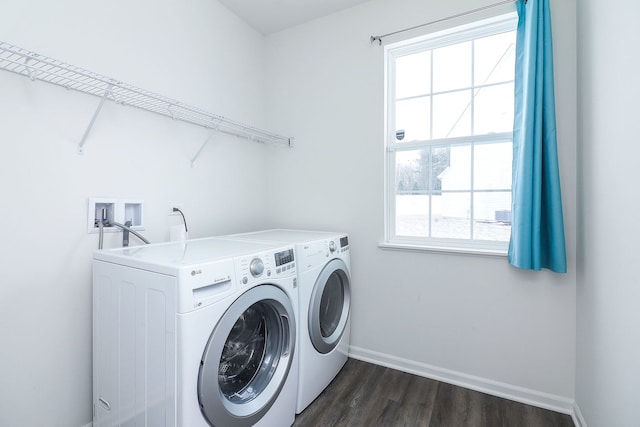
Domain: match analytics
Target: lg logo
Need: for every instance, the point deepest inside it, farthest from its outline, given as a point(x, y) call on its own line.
point(194, 272)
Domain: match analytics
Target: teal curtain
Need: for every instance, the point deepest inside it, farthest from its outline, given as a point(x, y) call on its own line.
point(537, 229)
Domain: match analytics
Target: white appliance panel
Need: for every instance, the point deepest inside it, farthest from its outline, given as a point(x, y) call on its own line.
point(155, 310)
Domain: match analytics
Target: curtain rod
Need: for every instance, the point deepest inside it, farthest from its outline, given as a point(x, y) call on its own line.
point(469, 12)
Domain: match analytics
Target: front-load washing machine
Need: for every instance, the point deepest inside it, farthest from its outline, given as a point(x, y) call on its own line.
point(324, 272)
point(196, 333)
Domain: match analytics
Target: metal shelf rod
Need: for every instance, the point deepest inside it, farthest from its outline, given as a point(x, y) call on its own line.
point(38, 67)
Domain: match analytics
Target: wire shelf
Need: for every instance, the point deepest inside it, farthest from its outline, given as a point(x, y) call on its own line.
point(39, 67)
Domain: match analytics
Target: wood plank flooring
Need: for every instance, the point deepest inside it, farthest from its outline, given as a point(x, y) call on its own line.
point(367, 395)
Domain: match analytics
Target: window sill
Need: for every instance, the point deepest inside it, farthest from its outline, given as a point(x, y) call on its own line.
point(404, 246)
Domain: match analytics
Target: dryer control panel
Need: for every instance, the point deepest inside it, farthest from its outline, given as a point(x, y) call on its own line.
point(262, 266)
point(344, 243)
point(316, 253)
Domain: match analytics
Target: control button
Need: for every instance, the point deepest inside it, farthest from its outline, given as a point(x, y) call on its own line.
point(332, 246)
point(256, 267)
point(245, 280)
point(278, 270)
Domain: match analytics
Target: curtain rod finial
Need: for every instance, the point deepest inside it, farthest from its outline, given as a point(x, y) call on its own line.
point(374, 38)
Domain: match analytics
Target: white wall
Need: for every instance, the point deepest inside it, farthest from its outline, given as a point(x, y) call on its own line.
point(193, 50)
point(474, 320)
point(608, 291)
point(471, 319)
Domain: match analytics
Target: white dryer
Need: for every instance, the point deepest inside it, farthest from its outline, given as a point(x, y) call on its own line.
point(195, 333)
point(324, 272)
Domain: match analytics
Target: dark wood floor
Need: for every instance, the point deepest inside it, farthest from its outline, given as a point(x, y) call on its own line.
point(366, 395)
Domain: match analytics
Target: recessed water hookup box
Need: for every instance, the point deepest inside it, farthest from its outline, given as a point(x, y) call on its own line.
point(132, 211)
point(107, 210)
point(101, 210)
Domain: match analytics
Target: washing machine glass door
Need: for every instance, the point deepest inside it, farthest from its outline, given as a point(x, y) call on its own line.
point(247, 358)
point(329, 306)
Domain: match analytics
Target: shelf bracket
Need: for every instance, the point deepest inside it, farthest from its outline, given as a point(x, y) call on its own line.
point(193, 160)
point(33, 74)
point(107, 92)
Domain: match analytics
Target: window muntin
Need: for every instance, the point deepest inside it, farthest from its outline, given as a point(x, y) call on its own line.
point(449, 138)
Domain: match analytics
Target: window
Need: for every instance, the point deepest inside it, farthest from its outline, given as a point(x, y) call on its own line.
point(449, 130)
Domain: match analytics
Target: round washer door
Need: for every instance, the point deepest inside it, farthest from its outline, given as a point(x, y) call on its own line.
point(329, 306)
point(247, 358)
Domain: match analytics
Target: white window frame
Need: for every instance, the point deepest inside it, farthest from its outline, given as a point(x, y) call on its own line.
point(475, 30)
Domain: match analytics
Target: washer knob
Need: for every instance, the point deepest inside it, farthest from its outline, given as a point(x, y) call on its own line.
point(332, 246)
point(256, 267)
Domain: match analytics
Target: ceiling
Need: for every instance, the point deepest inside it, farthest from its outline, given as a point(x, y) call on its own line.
point(270, 16)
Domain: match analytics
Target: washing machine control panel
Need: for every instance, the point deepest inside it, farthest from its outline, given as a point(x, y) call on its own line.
point(285, 262)
point(259, 267)
point(205, 284)
point(256, 266)
point(284, 257)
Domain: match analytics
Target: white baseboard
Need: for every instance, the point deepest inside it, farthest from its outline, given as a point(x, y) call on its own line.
point(578, 419)
point(519, 394)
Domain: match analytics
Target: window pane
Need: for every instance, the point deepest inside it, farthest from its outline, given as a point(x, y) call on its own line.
point(495, 58)
point(493, 109)
point(450, 175)
point(457, 176)
point(452, 67)
point(419, 171)
point(492, 166)
point(409, 177)
point(417, 176)
point(412, 116)
point(452, 114)
point(451, 216)
point(413, 75)
point(412, 215)
point(492, 216)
